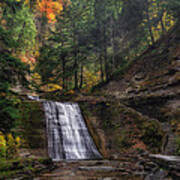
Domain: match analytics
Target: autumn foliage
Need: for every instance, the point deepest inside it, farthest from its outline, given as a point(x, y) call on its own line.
point(51, 8)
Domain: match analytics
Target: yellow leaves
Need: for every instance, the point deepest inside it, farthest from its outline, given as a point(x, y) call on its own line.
point(70, 92)
point(2, 140)
point(168, 20)
point(36, 76)
point(18, 141)
point(156, 31)
point(90, 79)
point(58, 7)
point(36, 54)
point(9, 145)
point(2, 145)
point(52, 87)
point(10, 139)
point(51, 17)
point(27, 2)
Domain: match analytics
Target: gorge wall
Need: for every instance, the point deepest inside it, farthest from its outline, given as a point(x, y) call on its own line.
point(151, 86)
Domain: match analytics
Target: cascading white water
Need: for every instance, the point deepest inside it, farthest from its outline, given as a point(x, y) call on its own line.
point(68, 136)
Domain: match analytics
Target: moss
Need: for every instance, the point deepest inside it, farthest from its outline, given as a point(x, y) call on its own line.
point(152, 135)
point(89, 112)
point(25, 168)
point(33, 124)
point(178, 145)
point(176, 114)
point(45, 161)
point(122, 140)
point(122, 127)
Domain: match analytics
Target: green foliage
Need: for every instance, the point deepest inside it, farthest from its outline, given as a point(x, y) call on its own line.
point(20, 28)
point(178, 145)
point(101, 37)
point(12, 72)
point(17, 35)
point(8, 113)
point(6, 38)
point(23, 168)
point(24, 29)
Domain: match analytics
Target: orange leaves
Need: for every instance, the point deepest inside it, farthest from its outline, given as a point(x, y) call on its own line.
point(51, 8)
point(27, 59)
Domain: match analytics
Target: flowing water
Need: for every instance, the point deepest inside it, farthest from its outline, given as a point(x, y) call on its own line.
point(68, 136)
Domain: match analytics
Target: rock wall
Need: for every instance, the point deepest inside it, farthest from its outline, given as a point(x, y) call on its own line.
point(151, 86)
point(33, 128)
point(117, 128)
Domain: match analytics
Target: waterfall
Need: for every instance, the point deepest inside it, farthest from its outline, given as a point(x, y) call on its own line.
point(68, 136)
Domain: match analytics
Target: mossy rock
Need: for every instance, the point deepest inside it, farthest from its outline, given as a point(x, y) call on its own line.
point(122, 140)
point(33, 125)
point(24, 168)
point(152, 135)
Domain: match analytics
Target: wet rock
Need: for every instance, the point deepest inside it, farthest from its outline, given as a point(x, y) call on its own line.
point(165, 158)
point(114, 156)
point(139, 173)
point(139, 77)
point(158, 175)
point(108, 178)
point(99, 168)
point(150, 166)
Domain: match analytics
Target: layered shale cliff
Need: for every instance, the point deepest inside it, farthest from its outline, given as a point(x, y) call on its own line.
point(151, 87)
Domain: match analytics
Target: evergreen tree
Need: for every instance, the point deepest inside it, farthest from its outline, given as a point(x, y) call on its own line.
point(17, 34)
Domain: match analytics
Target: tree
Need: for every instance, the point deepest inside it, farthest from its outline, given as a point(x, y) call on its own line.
point(100, 37)
point(19, 24)
point(17, 35)
point(67, 45)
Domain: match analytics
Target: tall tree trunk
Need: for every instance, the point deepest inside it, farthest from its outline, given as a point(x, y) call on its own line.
point(63, 71)
point(106, 64)
point(113, 43)
point(150, 29)
point(161, 17)
point(149, 24)
point(105, 53)
point(75, 72)
point(101, 68)
point(81, 77)
point(162, 26)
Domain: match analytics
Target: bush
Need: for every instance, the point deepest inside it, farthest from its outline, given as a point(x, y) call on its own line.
point(2, 146)
point(178, 145)
point(12, 72)
point(9, 145)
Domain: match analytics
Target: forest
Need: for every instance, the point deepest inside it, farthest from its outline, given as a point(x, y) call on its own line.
point(66, 48)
